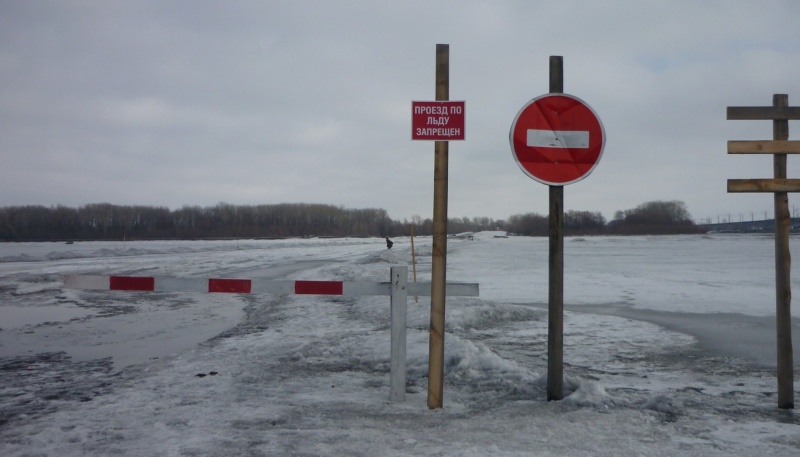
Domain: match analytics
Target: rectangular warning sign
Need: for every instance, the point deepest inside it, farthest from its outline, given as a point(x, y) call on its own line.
point(438, 120)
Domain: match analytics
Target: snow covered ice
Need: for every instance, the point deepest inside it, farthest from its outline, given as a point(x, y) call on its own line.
point(669, 351)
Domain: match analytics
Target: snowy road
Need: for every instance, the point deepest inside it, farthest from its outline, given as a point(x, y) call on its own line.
point(201, 374)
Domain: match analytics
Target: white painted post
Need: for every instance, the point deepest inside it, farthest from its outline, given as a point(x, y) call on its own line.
point(397, 382)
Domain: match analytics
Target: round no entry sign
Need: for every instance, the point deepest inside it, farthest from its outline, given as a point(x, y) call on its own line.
point(557, 139)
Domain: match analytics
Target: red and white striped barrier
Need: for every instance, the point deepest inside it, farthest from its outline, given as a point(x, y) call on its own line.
point(253, 286)
point(397, 288)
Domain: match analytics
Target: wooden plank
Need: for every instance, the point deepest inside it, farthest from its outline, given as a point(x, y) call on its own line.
point(755, 113)
point(764, 147)
point(763, 185)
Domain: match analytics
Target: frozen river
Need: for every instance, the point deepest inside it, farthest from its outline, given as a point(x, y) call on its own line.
point(717, 288)
point(669, 349)
point(38, 315)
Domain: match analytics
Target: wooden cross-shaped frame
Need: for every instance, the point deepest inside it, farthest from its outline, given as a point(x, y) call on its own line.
point(779, 113)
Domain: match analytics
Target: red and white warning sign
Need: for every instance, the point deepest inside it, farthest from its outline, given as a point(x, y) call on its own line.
point(557, 139)
point(439, 120)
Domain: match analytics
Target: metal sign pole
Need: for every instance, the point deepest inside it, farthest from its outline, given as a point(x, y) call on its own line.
point(555, 325)
point(556, 139)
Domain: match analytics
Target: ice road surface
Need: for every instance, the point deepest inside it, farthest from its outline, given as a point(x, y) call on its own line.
point(652, 363)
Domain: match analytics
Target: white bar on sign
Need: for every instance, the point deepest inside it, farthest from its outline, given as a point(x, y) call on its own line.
point(572, 139)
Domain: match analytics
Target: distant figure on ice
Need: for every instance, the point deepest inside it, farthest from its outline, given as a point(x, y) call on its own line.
point(389, 243)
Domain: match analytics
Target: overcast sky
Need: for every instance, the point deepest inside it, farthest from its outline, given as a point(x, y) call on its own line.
point(174, 103)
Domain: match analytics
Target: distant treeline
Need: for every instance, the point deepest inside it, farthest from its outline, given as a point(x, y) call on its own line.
point(651, 218)
point(104, 221)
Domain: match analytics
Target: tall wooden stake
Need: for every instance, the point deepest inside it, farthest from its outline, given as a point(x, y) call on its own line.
point(780, 113)
point(439, 258)
point(783, 263)
point(555, 327)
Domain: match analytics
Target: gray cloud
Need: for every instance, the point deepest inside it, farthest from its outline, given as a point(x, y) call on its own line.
point(174, 103)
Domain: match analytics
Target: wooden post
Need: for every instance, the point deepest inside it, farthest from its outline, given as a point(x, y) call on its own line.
point(439, 257)
point(780, 113)
point(399, 303)
point(783, 261)
point(555, 327)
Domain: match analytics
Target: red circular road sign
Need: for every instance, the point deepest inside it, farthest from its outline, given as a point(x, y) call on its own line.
point(557, 139)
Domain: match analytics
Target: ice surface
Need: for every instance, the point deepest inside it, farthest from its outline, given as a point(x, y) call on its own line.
point(242, 375)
